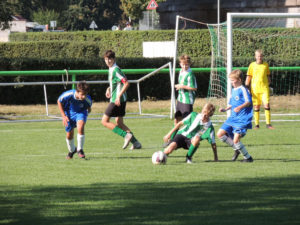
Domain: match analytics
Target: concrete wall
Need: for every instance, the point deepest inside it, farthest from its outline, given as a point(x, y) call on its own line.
point(206, 10)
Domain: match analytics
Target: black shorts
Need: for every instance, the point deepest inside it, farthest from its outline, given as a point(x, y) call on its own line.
point(113, 110)
point(182, 141)
point(185, 109)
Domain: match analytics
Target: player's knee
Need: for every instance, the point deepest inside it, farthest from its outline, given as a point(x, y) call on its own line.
point(195, 141)
point(267, 108)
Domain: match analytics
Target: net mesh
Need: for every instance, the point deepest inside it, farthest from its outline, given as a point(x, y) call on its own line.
point(278, 38)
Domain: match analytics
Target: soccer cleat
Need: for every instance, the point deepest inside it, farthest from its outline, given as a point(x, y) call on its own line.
point(136, 145)
point(269, 126)
point(235, 155)
point(248, 160)
point(81, 154)
point(256, 127)
point(188, 160)
point(70, 155)
point(127, 139)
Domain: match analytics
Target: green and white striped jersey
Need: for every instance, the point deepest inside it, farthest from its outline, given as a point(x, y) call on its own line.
point(193, 125)
point(116, 79)
point(187, 78)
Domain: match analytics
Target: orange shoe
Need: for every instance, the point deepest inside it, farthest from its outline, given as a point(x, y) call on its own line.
point(269, 126)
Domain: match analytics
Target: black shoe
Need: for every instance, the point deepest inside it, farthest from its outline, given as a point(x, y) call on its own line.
point(81, 154)
point(188, 160)
point(256, 127)
point(248, 160)
point(70, 155)
point(235, 155)
point(269, 126)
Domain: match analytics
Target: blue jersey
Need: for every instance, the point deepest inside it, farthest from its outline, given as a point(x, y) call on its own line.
point(72, 106)
point(243, 118)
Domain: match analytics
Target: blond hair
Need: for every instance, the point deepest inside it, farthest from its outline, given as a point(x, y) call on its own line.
point(185, 58)
point(210, 108)
point(259, 51)
point(236, 74)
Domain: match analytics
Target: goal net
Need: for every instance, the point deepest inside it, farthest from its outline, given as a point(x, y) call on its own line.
point(277, 35)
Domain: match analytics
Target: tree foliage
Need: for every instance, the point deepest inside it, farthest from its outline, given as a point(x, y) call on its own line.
point(135, 8)
point(45, 16)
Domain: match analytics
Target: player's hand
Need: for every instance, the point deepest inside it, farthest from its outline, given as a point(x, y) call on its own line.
point(107, 93)
point(178, 86)
point(166, 138)
point(117, 102)
point(237, 109)
point(65, 121)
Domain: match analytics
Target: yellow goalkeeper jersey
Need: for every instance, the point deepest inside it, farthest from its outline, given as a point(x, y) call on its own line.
point(259, 74)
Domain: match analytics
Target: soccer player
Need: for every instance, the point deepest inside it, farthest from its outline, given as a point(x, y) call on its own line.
point(186, 87)
point(116, 92)
point(197, 127)
point(235, 127)
point(74, 106)
point(258, 77)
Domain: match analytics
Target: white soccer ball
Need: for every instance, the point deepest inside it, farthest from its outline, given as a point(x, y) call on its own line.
point(159, 158)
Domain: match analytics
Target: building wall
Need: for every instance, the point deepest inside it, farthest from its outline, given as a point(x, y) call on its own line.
point(206, 10)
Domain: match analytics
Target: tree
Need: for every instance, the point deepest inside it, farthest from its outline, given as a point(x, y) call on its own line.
point(134, 8)
point(45, 16)
point(81, 13)
point(6, 10)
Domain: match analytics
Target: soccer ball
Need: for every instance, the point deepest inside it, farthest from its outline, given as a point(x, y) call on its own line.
point(159, 158)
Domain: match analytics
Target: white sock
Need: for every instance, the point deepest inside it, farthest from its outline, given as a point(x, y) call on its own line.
point(228, 140)
point(70, 145)
point(80, 141)
point(243, 150)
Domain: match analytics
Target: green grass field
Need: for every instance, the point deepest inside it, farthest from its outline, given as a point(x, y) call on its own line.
point(114, 186)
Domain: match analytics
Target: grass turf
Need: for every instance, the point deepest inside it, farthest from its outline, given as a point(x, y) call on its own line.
point(114, 186)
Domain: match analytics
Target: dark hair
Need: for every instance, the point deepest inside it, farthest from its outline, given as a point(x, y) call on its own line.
point(178, 115)
point(110, 54)
point(82, 86)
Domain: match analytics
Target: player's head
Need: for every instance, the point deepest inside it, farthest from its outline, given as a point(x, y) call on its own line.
point(236, 78)
point(185, 62)
point(178, 116)
point(82, 90)
point(259, 56)
point(208, 110)
point(109, 58)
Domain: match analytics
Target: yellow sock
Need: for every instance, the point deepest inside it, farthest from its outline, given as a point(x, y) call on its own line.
point(256, 117)
point(268, 116)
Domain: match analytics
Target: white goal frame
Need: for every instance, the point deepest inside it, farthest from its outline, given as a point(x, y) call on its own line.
point(230, 16)
point(137, 82)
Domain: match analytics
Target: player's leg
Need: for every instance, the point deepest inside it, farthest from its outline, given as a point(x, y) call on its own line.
point(179, 141)
point(169, 149)
point(225, 134)
point(80, 137)
point(266, 101)
point(115, 111)
point(193, 148)
point(256, 100)
point(238, 145)
point(70, 142)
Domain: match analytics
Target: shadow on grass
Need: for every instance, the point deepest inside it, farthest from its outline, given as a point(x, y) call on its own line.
point(254, 201)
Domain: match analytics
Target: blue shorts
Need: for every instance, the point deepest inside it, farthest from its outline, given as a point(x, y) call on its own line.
point(73, 120)
point(232, 130)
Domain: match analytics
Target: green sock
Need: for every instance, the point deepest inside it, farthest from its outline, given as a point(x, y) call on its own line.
point(119, 131)
point(133, 139)
point(191, 151)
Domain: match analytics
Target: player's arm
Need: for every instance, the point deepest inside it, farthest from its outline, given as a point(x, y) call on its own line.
point(225, 109)
point(89, 110)
point(176, 127)
point(181, 86)
point(124, 88)
point(248, 81)
point(246, 104)
point(214, 149)
point(62, 113)
point(107, 93)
